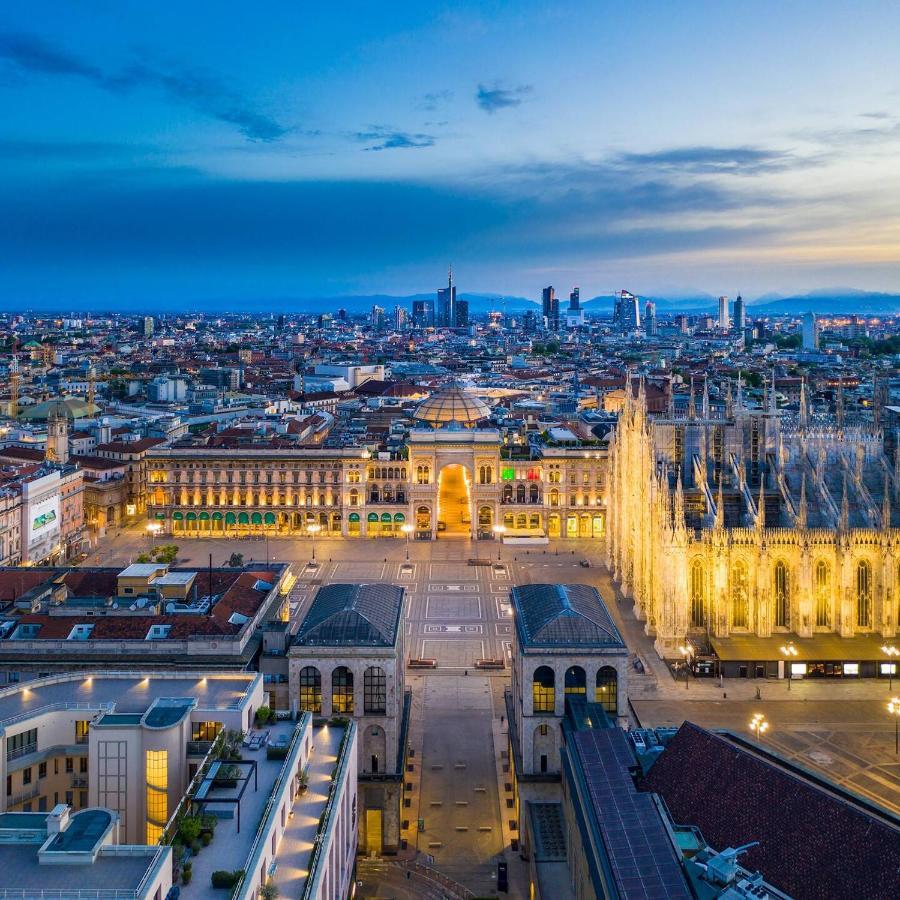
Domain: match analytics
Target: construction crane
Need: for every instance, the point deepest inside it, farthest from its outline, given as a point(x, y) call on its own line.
point(90, 389)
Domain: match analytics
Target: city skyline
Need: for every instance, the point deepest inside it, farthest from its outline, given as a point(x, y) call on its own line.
point(219, 156)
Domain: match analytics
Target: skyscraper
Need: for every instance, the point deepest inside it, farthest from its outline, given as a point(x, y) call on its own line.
point(810, 332)
point(423, 313)
point(550, 308)
point(650, 317)
point(377, 317)
point(724, 321)
point(740, 313)
point(446, 303)
point(461, 313)
point(626, 313)
point(399, 318)
point(575, 300)
point(148, 326)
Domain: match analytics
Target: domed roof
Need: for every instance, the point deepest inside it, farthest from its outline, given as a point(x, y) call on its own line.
point(61, 407)
point(452, 404)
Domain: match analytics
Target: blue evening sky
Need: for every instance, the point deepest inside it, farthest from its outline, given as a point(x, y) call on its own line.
point(173, 153)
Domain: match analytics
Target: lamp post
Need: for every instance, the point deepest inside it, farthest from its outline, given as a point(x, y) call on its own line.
point(789, 651)
point(312, 531)
point(153, 530)
point(407, 529)
point(759, 725)
point(891, 651)
point(894, 709)
point(499, 530)
point(687, 653)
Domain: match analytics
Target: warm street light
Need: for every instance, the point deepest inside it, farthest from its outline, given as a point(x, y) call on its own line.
point(687, 653)
point(894, 709)
point(312, 531)
point(890, 650)
point(499, 530)
point(407, 529)
point(759, 725)
point(789, 650)
point(153, 529)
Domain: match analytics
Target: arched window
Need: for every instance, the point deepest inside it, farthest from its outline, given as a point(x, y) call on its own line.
point(576, 680)
point(863, 594)
point(488, 474)
point(520, 493)
point(554, 496)
point(607, 689)
point(782, 595)
point(373, 494)
point(354, 497)
point(374, 691)
point(698, 595)
point(740, 599)
point(310, 689)
point(543, 690)
point(507, 493)
point(342, 691)
point(485, 518)
point(533, 494)
point(823, 594)
point(482, 477)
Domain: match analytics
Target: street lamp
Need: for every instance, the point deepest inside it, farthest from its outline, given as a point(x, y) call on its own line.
point(312, 531)
point(687, 653)
point(153, 529)
point(894, 709)
point(499, 530)
point(789, 650)
point(759, 725)
point(407, 529)
point(892, 651)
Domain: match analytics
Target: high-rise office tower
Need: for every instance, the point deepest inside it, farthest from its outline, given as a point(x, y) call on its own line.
point(148, 326)
point(626, 313)
point(377, 317)
point(650, 317)
point(446, 303)
point(281, 322)
point(550, 308)
point(399, 318)
point(423, 313)
point(724, 321)
point(740, 314)
point(810, 332)
point(529, 322)
point(575, 300)
point(461, 313)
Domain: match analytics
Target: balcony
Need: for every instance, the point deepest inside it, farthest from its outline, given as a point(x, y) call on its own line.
point(198, 748)
point(19, 752)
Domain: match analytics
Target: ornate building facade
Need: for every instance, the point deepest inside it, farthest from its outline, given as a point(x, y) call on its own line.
point(452, 475)
point(751, 523)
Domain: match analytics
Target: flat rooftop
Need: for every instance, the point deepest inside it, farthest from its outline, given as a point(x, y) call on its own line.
point(124, 693)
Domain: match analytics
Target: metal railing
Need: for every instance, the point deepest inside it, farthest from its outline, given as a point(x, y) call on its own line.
point(19, 752)
point(198, 748)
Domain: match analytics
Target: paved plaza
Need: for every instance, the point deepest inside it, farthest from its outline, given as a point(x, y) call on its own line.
point(459, 613)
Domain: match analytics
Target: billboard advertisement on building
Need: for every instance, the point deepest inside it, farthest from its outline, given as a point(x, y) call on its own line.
point(43, 527)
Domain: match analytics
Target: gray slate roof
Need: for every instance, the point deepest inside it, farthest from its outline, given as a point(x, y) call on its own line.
point(563, 615)
point(352, 615)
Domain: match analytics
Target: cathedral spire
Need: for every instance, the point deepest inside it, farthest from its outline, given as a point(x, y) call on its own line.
point(705, 398)
point(729, 406)
point(802, 510)
point(720, 508)
point(679, 504)
point(886, 502)
point(772, 404)
point(840, 402)
point(804, 413)
point(692, 406)
point(845, 507)
point(761, 505)
point(740, 392)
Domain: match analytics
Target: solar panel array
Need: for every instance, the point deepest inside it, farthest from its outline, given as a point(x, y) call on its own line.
point(352, 615)
point(563, 615)
point(635, 839)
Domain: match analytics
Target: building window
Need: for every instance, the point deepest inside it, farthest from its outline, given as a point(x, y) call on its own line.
point(21, 744)
point(205, 731)
point(543, 690)
point(157, 762)
point(698, 595)
point(782, 596)
point(823, 594)
point(543, 730)
point(375, 691)
point(740, 598)
point(576, 681)
point(26, 775)
point(863, 594)
point(342, 691)
point(310, 689)
point(70, 765)
point(83, 765)
point(81, 731)
point(607, 693)
point(42, 770)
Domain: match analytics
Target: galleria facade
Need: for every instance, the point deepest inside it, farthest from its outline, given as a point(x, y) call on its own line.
point(452, 476)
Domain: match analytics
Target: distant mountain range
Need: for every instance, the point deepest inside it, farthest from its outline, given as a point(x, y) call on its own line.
point(828, 301)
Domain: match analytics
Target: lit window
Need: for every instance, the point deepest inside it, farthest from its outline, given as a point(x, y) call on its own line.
point(157, 793)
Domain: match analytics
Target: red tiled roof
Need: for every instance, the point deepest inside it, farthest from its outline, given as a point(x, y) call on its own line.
point(812, 844)
point(130, 446)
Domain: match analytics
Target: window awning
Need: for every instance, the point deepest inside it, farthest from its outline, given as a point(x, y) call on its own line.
point(256, 519)
point(177, 516)
point(399, 517)
point(270, 518)
point(372, 517)
point(230, 518)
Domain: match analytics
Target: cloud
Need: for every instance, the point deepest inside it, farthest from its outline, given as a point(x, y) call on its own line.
point(18, 150)
point(710, 160)
point(492, 99)
point(385, 138)
point(434, 100)
point(203, 93)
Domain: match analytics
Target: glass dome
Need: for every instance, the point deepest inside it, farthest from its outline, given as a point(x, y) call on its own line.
point(452, 405)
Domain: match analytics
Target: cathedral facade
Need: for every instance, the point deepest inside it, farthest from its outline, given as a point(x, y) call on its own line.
point(750, 522)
